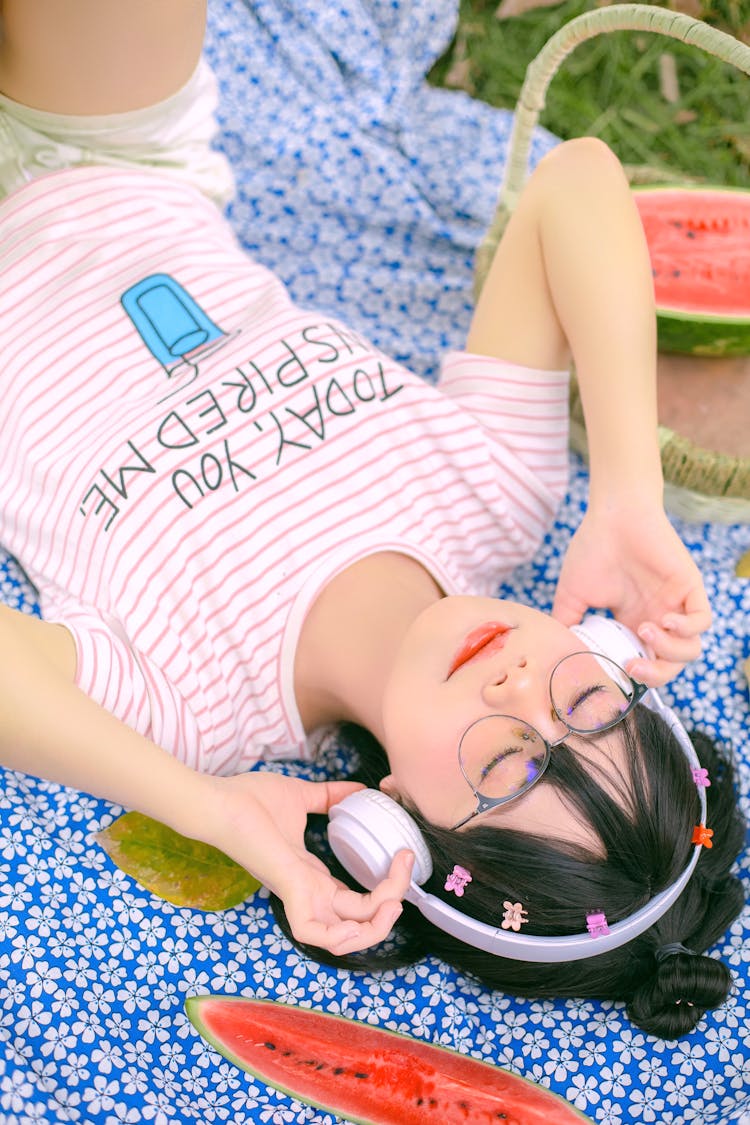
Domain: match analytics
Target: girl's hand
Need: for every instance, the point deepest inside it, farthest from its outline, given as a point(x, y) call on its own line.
point(634, 563)
point(260, 821)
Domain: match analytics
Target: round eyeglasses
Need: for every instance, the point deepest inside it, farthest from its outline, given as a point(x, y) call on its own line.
point(502, 757)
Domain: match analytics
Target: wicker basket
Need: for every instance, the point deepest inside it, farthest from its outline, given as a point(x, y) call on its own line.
point(700, 484)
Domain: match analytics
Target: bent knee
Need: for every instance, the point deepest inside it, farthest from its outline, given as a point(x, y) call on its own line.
point(583, 159)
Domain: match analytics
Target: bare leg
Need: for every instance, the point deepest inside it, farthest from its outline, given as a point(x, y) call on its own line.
point(572, 275)
point(98, 56)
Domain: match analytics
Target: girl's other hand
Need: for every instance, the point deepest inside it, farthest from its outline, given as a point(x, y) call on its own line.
point(633, 563)
point(259, 820)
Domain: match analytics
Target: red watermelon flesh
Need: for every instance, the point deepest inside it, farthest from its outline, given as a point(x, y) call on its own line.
point(699, 243)
point(367, 1074)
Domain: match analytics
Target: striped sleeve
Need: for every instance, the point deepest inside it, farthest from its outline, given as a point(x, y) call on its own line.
point(128, 684)
point(525, 409)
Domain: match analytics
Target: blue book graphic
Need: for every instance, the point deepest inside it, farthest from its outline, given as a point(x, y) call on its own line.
point(168, 320)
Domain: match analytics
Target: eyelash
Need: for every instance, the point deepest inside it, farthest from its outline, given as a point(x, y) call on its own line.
point(586, 694)
point(497, 759)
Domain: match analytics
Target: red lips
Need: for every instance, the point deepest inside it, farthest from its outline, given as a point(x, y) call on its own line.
point(492, 633)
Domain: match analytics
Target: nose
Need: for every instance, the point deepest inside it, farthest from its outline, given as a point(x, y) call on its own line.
point(517, 676)
point(520, 688)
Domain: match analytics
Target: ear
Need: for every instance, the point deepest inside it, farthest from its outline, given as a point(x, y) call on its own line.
point(388, 786)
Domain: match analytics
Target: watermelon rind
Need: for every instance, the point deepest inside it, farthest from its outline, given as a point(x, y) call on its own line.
point(701, 333)
point(547, 1106)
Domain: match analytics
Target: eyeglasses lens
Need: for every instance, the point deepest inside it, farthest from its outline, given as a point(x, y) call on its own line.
point(502, 756)
point(590, 693)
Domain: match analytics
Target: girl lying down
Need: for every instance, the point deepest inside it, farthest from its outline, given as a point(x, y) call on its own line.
point(245, 523)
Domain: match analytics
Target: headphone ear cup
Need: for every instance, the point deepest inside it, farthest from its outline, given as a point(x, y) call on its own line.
point(608, 637)
point(365, 831)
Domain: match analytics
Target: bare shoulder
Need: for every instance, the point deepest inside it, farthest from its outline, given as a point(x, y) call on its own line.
point(53, 642)
point(98, 56)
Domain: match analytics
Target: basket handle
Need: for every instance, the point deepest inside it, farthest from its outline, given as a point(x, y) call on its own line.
point(618, 17)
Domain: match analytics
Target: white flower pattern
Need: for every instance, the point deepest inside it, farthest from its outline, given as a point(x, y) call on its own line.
point(94, 971)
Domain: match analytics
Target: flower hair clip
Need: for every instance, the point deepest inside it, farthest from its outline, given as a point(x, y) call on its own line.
point(596, 924)
point(514, 917)
point(702, 835)
point(457, 880)
point(700, 777)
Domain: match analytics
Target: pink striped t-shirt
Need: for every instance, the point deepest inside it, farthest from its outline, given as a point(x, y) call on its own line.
point(189, 458)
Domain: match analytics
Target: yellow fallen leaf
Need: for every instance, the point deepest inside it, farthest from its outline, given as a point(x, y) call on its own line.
point(742, 569)
point(185, 872)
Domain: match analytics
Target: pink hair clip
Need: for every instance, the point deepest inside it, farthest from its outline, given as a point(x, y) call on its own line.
point(457, 880)
point(514, 916)
point(702, 835)
point(700, 777)
point(596, 924)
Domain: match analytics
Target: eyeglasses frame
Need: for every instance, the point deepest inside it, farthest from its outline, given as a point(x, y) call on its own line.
point(485, 803)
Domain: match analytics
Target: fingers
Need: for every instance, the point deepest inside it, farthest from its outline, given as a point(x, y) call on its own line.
point(567, 610)
point(360, 907)
point(667, 653)
point(668, 645)
point(321, 795)
point(653, 673)
point(353, 921)
point(346, 936)
point(688, 624)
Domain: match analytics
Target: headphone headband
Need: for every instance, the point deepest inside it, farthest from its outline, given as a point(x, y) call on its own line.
point(367, 828)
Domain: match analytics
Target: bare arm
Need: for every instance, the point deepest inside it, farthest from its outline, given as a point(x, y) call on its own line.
point(51, 729)
point(98, 56)
point(572, 275)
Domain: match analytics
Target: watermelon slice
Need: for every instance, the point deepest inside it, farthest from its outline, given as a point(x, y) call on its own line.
point(366, 1074)
point(699, 242)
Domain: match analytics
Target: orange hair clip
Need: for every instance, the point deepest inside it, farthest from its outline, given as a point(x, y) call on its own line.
point(702, 835)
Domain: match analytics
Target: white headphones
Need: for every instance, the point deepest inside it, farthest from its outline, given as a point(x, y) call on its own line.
point(367, 829)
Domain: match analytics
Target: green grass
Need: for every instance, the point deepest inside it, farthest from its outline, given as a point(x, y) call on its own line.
point(609, 87)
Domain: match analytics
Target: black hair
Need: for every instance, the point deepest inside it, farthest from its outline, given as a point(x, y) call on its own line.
point(645, 833)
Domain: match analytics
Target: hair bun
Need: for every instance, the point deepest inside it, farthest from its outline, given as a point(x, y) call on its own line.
point(684, 985)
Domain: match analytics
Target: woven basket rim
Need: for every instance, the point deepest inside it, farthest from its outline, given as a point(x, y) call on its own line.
point(684, 462)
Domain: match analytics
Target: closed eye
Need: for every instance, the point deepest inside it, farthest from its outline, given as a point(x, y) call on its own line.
point(585, 695)
point(499, 757)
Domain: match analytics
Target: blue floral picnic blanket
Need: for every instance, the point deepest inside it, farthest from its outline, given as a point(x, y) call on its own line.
point(367, 191)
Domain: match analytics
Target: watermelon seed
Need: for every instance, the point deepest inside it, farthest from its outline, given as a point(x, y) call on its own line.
point(270, 1046)
point(360, 1074)
point(339, 1069)
point(691, 234)
point(676, 273)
